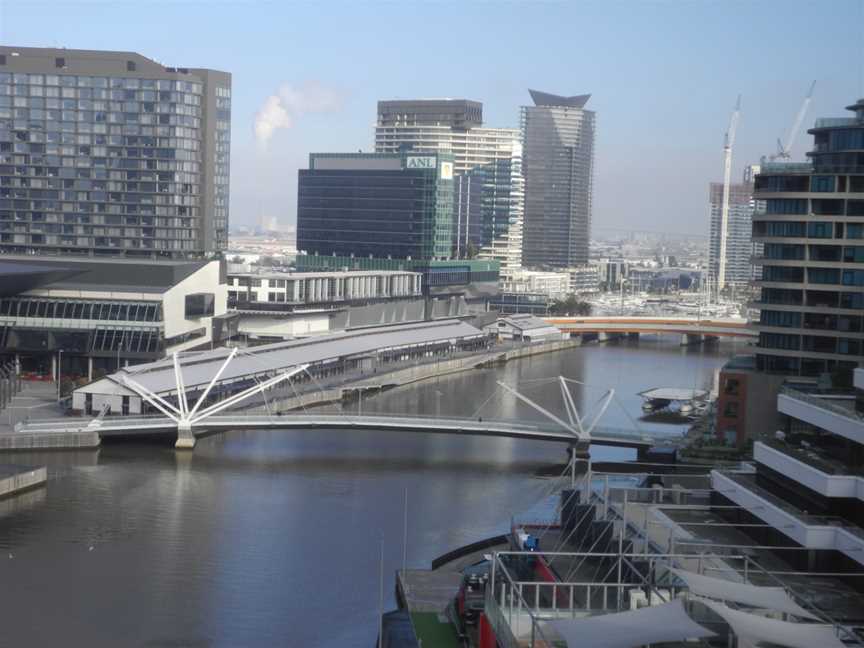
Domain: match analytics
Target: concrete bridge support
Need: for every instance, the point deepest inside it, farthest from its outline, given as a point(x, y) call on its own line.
point(185, 437)
point(691, 339)
point(633, 336)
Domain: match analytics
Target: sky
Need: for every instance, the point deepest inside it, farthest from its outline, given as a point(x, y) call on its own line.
point(664, 78)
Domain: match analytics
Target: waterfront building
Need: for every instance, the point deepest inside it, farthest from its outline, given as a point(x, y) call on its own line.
point(112, 153)
point(807, 485)
point(280, 305)
point(379, 205)
point(554, 285)
point(739, 230)
point(584, 279)
point(451, 287)
point(487, 164)
point(96, 315)
point(812, 267)
point(368, 350)
point(524, 328)
point(557, 163)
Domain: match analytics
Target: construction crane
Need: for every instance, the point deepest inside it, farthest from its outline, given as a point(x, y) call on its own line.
point(727, 179)
point(784, 150)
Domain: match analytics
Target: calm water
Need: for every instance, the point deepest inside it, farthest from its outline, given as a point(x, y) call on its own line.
point(272, 538)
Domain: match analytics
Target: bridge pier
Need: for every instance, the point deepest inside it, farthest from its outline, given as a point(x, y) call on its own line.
point(185, 438)
point(691, 339)
point(711, 339)
point(633, 336)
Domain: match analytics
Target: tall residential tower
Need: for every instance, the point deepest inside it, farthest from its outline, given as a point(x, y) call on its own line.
point(739, 234)
point(112, 153)
point(812, 278)
point(558, 161)
point(487, 163)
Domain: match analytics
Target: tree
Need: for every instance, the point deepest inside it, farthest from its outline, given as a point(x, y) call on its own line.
point(572, 305)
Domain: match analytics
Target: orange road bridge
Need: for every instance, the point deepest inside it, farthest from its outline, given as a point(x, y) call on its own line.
point(691, 329)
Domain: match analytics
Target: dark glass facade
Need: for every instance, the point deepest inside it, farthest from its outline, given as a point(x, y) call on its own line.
point(812, 269)
point(378, 205)
point(558, 160)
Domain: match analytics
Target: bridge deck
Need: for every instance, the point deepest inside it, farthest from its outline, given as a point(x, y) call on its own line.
point(133, 426)
point(682, 325)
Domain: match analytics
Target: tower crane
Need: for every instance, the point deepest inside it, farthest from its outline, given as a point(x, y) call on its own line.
point(784, 150)
point(727, 178)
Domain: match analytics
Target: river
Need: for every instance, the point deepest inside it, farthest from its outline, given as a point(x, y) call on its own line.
point(273, 538)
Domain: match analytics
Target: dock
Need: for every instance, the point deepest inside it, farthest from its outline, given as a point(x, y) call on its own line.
point(16, 479)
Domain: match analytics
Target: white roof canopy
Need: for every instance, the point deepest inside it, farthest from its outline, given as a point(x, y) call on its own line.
point(656, 624)
point(753, 629)
point(769, 598)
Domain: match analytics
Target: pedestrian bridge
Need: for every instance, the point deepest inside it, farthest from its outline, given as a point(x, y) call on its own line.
point(691, 326)
point(130, 427)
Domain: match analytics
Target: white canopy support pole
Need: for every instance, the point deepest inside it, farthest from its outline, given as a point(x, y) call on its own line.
point(255, 389)
point(153, 399)
point(572, 410)
point(213, 381)
point(608, 396)
point(540, 409)
point(181, 388)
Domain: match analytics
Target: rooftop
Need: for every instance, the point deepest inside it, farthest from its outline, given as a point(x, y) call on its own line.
point(552, 100)
point(199, 368)
point(88, 273)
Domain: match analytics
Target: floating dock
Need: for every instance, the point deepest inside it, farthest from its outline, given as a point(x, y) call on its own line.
point(16, 479)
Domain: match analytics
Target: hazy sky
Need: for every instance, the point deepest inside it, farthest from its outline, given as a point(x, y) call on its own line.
point(664, 77)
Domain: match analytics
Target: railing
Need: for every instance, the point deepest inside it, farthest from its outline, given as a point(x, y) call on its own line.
point(834, 122)
point(823, 403)
point(831, 467)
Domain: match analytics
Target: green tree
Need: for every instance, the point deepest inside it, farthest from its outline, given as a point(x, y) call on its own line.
point(571, 306)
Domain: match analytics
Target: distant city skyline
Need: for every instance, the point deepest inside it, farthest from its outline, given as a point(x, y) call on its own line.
point(664, 77)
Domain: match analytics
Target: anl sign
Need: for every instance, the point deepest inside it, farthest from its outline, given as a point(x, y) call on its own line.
point(420, 163)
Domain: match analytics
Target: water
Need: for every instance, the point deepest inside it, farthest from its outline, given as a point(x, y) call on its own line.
point(272, 538)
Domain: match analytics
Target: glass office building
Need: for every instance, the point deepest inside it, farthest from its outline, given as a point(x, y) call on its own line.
point(487, 163)
point(376, 205)
point(112, 153)
point(812, 267)
point(557, 162)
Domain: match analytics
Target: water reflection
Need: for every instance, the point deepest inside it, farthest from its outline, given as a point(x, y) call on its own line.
point(272, 538)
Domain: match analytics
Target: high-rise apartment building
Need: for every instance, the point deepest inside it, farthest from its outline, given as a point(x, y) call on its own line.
point(487, 163)
point(557, 163)
point(812, 275)
point(739, 231)
point(379, 205)
point(112, 153)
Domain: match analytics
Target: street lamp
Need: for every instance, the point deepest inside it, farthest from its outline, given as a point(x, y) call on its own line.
point(59, 371)
point(623, 281)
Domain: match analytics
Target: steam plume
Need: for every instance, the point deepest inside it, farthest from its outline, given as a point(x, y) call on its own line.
point(281, 110)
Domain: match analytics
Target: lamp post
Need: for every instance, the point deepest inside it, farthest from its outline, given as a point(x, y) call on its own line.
point(59, 371)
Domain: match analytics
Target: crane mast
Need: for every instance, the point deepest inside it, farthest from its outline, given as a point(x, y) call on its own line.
point(784, 149)
point(727, 179)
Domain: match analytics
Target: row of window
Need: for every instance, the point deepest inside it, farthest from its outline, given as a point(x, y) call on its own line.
point(812, 298)
point(808, 229)
point(86, 310)
point(813, 343)
point(814, 275)
point(817, 206)
point(79, 81)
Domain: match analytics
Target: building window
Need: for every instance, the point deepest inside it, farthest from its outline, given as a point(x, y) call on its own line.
point(822, 183)
point(60, 62)
point(731, 386)
point(731, 410)
point(130, 66)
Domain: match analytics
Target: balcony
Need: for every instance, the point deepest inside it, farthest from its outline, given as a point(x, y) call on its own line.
point(836, 122)
point(811, 468)
point(811, 531)
point(835, 414)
